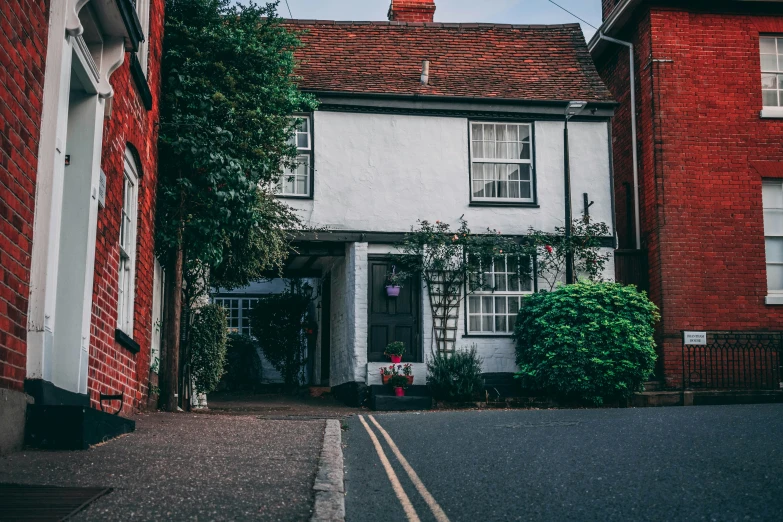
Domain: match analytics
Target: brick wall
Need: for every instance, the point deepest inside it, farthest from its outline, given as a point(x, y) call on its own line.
point(112, 367)
point(23, 34)
point(700, 130)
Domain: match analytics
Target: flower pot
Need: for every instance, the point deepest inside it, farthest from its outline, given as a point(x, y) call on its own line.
point(399, 392)
point(410, 380)
point(396, 359)
point(385, 379)
point(393, 291)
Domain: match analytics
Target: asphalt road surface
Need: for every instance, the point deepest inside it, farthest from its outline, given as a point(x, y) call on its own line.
point(662, 464)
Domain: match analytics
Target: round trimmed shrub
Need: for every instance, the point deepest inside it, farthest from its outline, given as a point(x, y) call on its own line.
point(208, 347)
point(588, 341)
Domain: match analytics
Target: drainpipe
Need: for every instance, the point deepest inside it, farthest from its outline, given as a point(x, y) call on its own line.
point(637, 218)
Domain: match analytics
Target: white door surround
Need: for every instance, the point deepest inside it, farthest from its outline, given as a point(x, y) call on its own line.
point(81, 56)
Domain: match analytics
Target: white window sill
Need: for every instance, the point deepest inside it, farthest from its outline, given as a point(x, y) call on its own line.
point(772, 112)
point(774, 300)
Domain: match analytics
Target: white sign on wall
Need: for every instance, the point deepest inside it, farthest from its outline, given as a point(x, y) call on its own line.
point(695, 338)
point(102, 190)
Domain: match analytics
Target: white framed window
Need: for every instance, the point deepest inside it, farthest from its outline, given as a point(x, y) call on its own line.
point(772, 195)
point(237, 312)
point(127, 268)
point(296, 182)
point(143, 12)
point(501, 168)
point(493, 309)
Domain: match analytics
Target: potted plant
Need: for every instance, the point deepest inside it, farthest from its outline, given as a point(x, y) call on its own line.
point(394, 283)
point(399, 383)
point(388, 371)
point(394, 351)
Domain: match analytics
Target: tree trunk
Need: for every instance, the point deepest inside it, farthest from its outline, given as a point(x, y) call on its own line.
point(172, 321)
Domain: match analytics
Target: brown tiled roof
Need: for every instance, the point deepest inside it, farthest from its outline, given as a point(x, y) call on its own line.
point(523, 62)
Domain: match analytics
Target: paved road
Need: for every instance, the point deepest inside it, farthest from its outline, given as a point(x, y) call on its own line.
point(659, 464)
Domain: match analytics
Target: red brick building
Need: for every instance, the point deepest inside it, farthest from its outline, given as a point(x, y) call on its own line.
point(710, 166)
point(79, 89)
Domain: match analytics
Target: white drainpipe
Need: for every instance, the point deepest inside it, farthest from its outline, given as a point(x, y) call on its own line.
point(637, 218)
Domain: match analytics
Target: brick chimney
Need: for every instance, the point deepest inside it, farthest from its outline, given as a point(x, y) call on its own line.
point(412, 10)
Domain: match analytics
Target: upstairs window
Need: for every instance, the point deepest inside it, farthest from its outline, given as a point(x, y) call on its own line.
point(493, 309)
point(143, 12)
point(501, 162)
point(297, 182)
point(127, 272)
point(771, 71)
point(773, 234)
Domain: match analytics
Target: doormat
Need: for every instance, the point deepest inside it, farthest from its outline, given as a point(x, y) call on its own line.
point(45, 503)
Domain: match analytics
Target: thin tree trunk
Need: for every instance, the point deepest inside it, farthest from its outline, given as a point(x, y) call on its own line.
point(173, 313)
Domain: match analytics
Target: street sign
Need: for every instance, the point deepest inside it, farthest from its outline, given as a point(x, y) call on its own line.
point(695, 338)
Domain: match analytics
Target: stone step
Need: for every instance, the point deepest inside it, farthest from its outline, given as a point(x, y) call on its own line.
point(72, 427)
point(382, 398)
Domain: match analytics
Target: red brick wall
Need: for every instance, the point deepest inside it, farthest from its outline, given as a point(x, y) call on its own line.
point(112, 367)
point(23, 34)
point(700, 129)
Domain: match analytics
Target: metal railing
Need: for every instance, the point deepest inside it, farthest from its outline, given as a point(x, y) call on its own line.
point(734, 361)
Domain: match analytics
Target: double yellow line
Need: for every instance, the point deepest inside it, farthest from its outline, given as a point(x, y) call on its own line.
point(407, 506)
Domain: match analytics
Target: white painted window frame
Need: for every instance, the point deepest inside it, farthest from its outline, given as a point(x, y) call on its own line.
point(495, 161)
point(244, 306)
point(126, 297)
point(773, 296)
point(143, 12)
point(303, 158)
point(496, 294)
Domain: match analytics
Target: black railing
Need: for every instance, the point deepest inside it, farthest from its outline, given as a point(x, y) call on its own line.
point(734, 361)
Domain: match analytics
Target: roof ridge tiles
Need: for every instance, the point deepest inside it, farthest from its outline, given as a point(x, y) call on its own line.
point(444, 25)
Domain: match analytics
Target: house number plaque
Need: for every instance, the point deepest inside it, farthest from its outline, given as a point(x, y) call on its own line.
point(695, 338)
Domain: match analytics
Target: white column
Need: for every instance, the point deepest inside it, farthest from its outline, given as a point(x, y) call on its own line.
point(48, 196)
point(357, 302)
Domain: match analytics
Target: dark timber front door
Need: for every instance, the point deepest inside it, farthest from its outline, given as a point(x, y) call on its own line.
point(393, 318)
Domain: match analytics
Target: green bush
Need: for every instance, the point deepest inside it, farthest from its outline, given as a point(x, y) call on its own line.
point(589, 341)
point(455, 377)
point(207, 345)
point(243, 365)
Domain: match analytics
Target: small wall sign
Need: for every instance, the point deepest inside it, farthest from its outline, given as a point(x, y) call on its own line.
point(102, 190)
point(695, 338)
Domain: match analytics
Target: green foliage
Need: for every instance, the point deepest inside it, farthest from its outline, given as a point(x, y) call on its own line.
point(589, 341)
point(551, 250)
point(207, 344)
point(395, 348)
point(280, 322)
point(398, 381)
point(455, 377)
point(243, 366)
point(228, 93)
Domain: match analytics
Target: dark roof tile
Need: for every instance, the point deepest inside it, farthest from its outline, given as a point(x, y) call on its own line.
point(466, 60)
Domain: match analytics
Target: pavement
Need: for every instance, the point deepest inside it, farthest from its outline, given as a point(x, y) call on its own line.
point(278, 406)
point(717, 463)
point(189, 467)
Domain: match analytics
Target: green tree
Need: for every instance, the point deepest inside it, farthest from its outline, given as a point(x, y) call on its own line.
point(229, 91)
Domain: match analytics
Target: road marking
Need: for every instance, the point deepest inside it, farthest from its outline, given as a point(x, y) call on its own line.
point(440, 515)
point(410, 512)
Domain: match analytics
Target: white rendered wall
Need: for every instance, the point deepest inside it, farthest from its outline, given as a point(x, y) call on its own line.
point(377, 172)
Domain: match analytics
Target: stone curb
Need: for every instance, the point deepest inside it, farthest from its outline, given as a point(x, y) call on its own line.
point(329, 485)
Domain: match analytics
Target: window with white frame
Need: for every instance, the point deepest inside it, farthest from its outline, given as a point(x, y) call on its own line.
point(296, 182)
point(127, 273)
point(501, 162)
point(237, 312)
point(143, 12)
point(773, 234)
point(493, 308)
point(771, 48)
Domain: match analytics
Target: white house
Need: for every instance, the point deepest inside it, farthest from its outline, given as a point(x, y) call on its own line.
point(432, 121)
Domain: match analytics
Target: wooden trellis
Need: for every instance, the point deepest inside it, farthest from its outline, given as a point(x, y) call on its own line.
point(444, 290)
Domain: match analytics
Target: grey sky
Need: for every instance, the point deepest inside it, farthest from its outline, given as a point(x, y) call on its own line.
point(498, 11)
